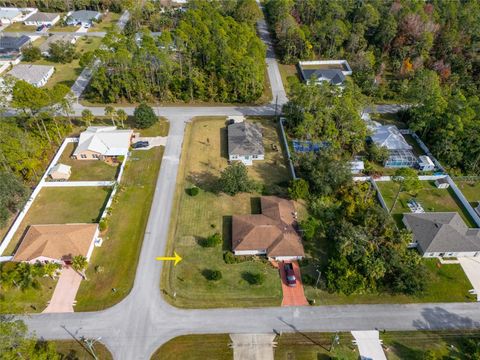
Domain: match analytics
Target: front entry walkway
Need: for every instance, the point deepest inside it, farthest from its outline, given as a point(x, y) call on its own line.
point(292, 295)
point(369, 345)
point(253, 346)
point(63, 297)
point(471, 267)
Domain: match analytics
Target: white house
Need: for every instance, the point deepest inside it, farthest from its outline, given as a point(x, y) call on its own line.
point(102, 143)
point(9, 15)
point(425, 163)
point(401, 152)
point(245, 142)
point(36, 75)
point(83, 17)
point(42, 18)
point(332, 71)
point(442, 183)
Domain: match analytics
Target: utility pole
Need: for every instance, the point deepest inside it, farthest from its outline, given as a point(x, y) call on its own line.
point(318, 278)
point(90, 343)
point(335, 341)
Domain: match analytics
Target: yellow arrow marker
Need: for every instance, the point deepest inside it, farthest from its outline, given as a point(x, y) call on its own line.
point(175, 258)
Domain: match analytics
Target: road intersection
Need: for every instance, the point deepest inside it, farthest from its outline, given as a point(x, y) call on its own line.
point(143, 321)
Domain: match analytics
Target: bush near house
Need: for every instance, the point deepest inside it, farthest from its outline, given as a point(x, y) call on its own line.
point(144, 116)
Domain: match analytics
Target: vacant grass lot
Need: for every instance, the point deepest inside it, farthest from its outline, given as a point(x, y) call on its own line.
point(446, 283)
point(431, 198)
point(85, 170)
point(194, 218)
point(113, 265)
point(108, 21)
point(196, 347)
point(471, 190)
point(311, 346)
point(290, 75)
point(67, 73)
point(16, 301)
point(63, 206)
point(414, 345)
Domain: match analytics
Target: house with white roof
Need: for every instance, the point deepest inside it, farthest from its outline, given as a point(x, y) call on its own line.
point(9, 15)
point(42, 18)
point(103, 143)
point(36, 75)
point(401, 152)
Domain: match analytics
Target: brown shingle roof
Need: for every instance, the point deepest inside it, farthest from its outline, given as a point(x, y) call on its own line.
point(55, 241)
point(271, 231)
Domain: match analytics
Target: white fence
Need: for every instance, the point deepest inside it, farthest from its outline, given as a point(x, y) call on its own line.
point(287, 149)
point(77, 183)
point(471, 211)
point(115, 187)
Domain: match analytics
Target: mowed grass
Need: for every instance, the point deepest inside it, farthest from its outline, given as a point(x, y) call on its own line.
point(290, 75)
point(62, 206)
point(16, 301)
point(66, 74)
point(195, 218)
point(431, 198)
point(74, 350)
point(310, 346)
point(445, 283)
point(114, 264)
point(414, 345)
point(471, 190)
point(108, 21)
point(85, 170)
point(196, 347)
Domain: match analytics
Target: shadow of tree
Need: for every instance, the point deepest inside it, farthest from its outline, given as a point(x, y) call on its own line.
point(204, 180)
point(255, 205)
point(227, 233)
point(439, 318)
point(224, 142)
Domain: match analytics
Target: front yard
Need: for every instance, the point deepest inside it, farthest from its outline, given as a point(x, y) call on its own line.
point(62, 206)
point(114, 264)
point(429, 197)
point(195, 218)
point(108, 21)
point(87, 170)
point(196, 347)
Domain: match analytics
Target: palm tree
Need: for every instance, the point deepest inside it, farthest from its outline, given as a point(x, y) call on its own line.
point(79, 264)
point(111, 113)
point(9, 279)
point(122, 116)
point(27, 276)
point(50, 269)
point(87, 117)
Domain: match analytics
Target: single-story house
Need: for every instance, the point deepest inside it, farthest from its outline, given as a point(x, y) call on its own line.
point(36, 75)
point(56, 243)
point(401, 152)
point(442, 234)
point(357, 166)
point(245, 142)
point(271, 233)
point(442, 183)
point(83, 17)
point(9, 15)
point(60, 172)
point(425, 163)
point(42, 18)
point(102, 143)
point(332, 71)
point(45, 46)
point(11, 46)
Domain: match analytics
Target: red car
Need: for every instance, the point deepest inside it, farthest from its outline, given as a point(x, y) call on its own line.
point(290, 274)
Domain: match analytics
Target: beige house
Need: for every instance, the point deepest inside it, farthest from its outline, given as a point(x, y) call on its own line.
point(56, 243)
point(103, 143)
point(60, 172)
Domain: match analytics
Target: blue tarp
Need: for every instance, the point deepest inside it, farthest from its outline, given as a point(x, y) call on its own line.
point(304, 146)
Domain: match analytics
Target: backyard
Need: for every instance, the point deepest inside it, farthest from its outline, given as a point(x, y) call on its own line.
point(87, 170)
point(62, 206)
point(429, 197)
point(195, 218)
point(113, 265)
point(471, 190)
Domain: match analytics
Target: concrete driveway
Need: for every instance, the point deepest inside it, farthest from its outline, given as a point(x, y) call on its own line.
point(253, 346)
point(471, 267)
point(63, 297)
point(369, 345)
point(152, 141)
point(292, 295)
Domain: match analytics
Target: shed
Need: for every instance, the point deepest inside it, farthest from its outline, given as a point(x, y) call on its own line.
point(442, 183)
point(357, 166)
point(60, 172)
point(425, 163)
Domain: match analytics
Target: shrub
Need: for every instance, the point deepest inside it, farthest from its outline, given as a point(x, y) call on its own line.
point(193, 191)
point(234, 179)
point(298, 189)
point(144, 116)
point(31, 53)
point(212, 240)
point(103, 225)
point(212, 275)
point(254, 278)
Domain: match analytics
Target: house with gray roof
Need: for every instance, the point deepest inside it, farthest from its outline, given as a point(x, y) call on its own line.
point(45, 46)
point(443, 234)
point(42, 18)
point(245, 142)
point(333, 72)
point(11, 46)
point(36, 75)
point(83, 17)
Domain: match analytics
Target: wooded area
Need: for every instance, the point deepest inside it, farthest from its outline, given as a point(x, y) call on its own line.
point(206, 56)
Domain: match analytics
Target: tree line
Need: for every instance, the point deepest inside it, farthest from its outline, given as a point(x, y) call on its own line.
point(208, 56)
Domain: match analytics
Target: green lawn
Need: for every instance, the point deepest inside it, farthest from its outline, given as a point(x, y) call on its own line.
point(62, 206)
point(85, 170)
point(290, 75)
point(471, 190)
point(312, 346)
point(197, 217)
point(196, 347)
point(431, 198)
point(414, 345)
point(108, 21)
point(20, 27)
point(66, 28)
point(16, 301)
point(67, 73)
point(114, 264)
point(446, 283)
point(73, 350)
